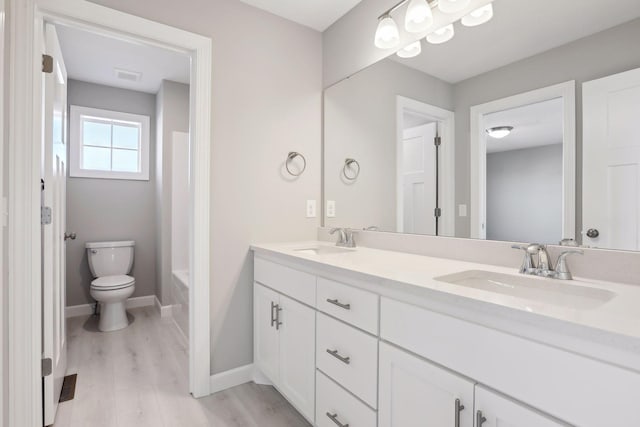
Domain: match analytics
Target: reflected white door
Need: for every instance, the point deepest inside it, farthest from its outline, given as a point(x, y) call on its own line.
point(418, 175)
point(53, 243)
point(611, 159)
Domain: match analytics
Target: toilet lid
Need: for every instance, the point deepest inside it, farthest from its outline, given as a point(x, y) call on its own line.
point(112, 282)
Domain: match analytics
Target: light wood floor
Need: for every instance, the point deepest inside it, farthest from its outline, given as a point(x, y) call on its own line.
point(138, 377)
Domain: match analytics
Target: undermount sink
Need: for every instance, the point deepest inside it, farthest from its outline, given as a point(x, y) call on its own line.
point(553, 292)
point(323, 250)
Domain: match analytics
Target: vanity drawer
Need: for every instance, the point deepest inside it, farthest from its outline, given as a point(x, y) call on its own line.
point(334, 403)
point(349, 356)
point(293, 283)
point(354, 306)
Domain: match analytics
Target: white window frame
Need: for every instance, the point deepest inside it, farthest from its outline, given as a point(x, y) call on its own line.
point(75, 144)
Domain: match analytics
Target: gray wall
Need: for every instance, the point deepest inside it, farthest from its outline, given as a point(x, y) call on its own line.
point(172, 115)
point(360, 123)
point(110, 209)
point(524, 195)
point(267, 87)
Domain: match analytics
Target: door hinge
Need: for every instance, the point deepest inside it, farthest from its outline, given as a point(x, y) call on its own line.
point(437, 212)
point(47, 64)
point(47, 366)
point(437, 141)
point(45, 215)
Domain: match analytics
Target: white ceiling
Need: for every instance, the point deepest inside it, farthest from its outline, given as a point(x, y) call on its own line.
point(518, 30)
point(534, 125)
point(317, 14)
point(92, 58)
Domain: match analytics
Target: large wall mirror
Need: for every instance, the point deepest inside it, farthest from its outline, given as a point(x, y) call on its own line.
point(524, 129)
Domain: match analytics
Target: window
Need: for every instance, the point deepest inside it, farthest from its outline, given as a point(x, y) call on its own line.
point(108, 144)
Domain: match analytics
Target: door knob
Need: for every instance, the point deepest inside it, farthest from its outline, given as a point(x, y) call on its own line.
point(68, 236)
point(592, 233)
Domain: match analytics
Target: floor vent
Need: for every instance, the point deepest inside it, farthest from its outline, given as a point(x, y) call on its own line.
point(68, 388)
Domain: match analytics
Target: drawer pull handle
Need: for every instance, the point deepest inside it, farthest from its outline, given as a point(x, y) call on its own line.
point(458, 408)
point(343, 359)
point(275, 315)
point(334, 418)
point(480, 419)
point(339, 304)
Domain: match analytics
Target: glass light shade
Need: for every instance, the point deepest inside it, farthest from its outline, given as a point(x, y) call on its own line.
point(453, 6)
point(478, 16)
point(441, 35)
point(410, 50)
point(499, 132)
point(387, 34)
point(419, 16)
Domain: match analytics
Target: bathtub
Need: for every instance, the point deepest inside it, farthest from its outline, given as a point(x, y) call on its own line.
point(180, 298)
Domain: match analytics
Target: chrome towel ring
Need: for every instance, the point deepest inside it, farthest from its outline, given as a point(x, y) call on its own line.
point(292, 155)
point(348, 169)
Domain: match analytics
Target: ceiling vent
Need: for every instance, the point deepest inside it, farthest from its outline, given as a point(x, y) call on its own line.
point(130, 76)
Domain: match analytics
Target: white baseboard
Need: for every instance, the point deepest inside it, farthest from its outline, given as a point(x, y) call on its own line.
point(164, 310)
point(87, 309)
point(259, 377)
point(231, 378)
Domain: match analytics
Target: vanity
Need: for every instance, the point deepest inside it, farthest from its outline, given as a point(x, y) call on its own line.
point(368, 337)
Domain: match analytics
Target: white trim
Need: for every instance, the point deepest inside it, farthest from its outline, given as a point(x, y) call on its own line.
point(76, 143)
point(3, 344)
point(87, 309)
point(231, 378)
point(447, 178)
point(478, 158)
point(24, 287)
point(164, 310)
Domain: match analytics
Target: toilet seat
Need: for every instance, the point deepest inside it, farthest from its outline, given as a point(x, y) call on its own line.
point(109, 283)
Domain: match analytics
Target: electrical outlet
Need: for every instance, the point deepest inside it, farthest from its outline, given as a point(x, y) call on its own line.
point(331, 208)
point(462, 210)
point(311, 208)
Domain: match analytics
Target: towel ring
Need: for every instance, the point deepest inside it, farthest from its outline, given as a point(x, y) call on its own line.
point(292, 155)
point(347, 166)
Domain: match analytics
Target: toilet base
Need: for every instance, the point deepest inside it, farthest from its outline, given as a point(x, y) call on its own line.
point(113, 316)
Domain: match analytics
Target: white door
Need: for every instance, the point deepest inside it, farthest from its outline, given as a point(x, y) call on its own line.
point(265, 304)
point(297, 355)
point(54, 172)
point(418, 175)
point(611, 159)
point(494, 410)
point(415, 393)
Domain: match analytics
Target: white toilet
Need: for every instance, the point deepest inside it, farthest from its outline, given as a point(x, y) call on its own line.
point(110, 262)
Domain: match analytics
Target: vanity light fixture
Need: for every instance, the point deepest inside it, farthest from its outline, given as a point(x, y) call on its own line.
point(419, 17)
point(441, 35)
point(478, 16)
point(499, 132)
point(410, 50)
point(387, 34)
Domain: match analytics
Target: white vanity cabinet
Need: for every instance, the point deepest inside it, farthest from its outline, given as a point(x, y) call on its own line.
point(415, 393)
point(284, 341)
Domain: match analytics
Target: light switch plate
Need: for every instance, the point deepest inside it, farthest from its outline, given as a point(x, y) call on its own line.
point(311, 208)
point(462, 210)
point(331, 208)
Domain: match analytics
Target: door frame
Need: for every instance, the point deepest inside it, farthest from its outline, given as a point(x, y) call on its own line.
point(447, 180)
point(478, 153)
point(24, 288)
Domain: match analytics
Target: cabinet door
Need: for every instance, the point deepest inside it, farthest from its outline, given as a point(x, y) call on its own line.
point(414, 392)
point(494, 410)
point(266, 347)
point(297, 355)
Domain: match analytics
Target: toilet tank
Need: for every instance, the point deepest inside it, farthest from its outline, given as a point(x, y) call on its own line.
point(110, 258)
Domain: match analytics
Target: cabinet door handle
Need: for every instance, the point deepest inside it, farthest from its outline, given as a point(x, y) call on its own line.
point(273, 316)
point(278, 322)
point(480, 419)
point(458, 408)
point(339, 304)
point(334, 418)
point(343, 359)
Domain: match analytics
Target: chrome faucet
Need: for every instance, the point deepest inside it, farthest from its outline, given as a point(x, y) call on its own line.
point(541, 265)
point(346, 239)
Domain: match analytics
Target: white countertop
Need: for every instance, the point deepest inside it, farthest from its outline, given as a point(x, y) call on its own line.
point(620, 315)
